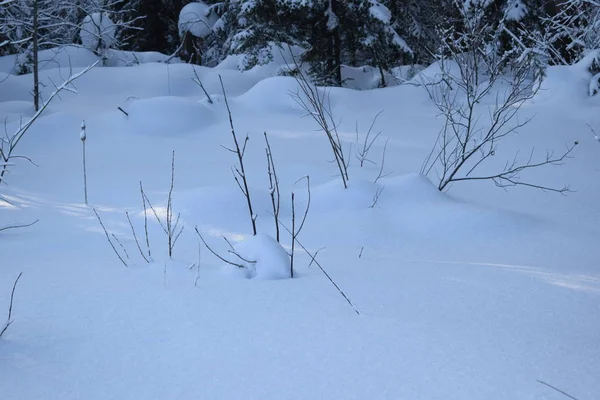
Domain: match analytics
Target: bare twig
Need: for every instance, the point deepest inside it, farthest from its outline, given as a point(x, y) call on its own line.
point(198, 82)
point(314, 260)
point(214, 252)
point(376, 196)
point(594, 133)
point(9, 320)
point(363, 152)
point(382, 163)
point(135, 238)
point(120, 244)
point(315, 256)
point(108, 238)
point(235, 253)
point(173, 232)
point(296, 232)
point(145, 220)
point(198, 265)
point(83, 137)
point(273, 186)
point(160, 222)
point(558, 390)
point(239, 172)
point(5, 228)
point(293, 236)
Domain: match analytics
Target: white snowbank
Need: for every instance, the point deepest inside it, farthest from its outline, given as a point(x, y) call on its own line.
point(274, 94)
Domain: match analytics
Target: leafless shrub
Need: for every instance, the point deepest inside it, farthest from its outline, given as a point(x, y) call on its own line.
point(317, 105)
point(170, 225)
point(469, 71)
point(362, 153)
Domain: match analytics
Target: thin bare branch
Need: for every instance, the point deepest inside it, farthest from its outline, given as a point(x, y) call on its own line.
point(5, 228)
point(557, 389)
point(108, 238)
point(135, 238)
point(9, 319)
point(214, 253)
point(240, 153)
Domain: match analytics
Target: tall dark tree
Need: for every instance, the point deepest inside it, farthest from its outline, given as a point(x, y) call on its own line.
point(156, 22)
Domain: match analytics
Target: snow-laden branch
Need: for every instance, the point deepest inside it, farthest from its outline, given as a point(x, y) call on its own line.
point(8, 146)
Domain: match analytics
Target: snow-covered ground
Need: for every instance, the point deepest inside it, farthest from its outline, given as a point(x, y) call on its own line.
point(478, 293)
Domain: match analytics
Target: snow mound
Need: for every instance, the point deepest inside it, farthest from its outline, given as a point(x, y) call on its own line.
point(268, 259)
point(16, 110)
point(120, 58)
point(563, 82)
point(168, 116)
point(572, 82)
point(413, 188)
point(272, 94)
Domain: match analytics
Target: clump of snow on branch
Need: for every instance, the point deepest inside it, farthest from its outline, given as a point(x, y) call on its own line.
point(197, 19)
point(383, 14)
point(98, 31)
point(515, 10)
point(332, 19)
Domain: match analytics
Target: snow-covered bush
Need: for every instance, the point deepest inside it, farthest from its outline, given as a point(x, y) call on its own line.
point(261, 257)
point(98, 32)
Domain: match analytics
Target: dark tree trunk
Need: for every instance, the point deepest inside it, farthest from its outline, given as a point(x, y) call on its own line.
point(335, 43)
point(36, 78)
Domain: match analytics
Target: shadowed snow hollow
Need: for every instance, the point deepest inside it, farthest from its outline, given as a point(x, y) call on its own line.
point(168, 116)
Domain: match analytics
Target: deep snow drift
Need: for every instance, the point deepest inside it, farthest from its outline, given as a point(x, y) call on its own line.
point(477, 293)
